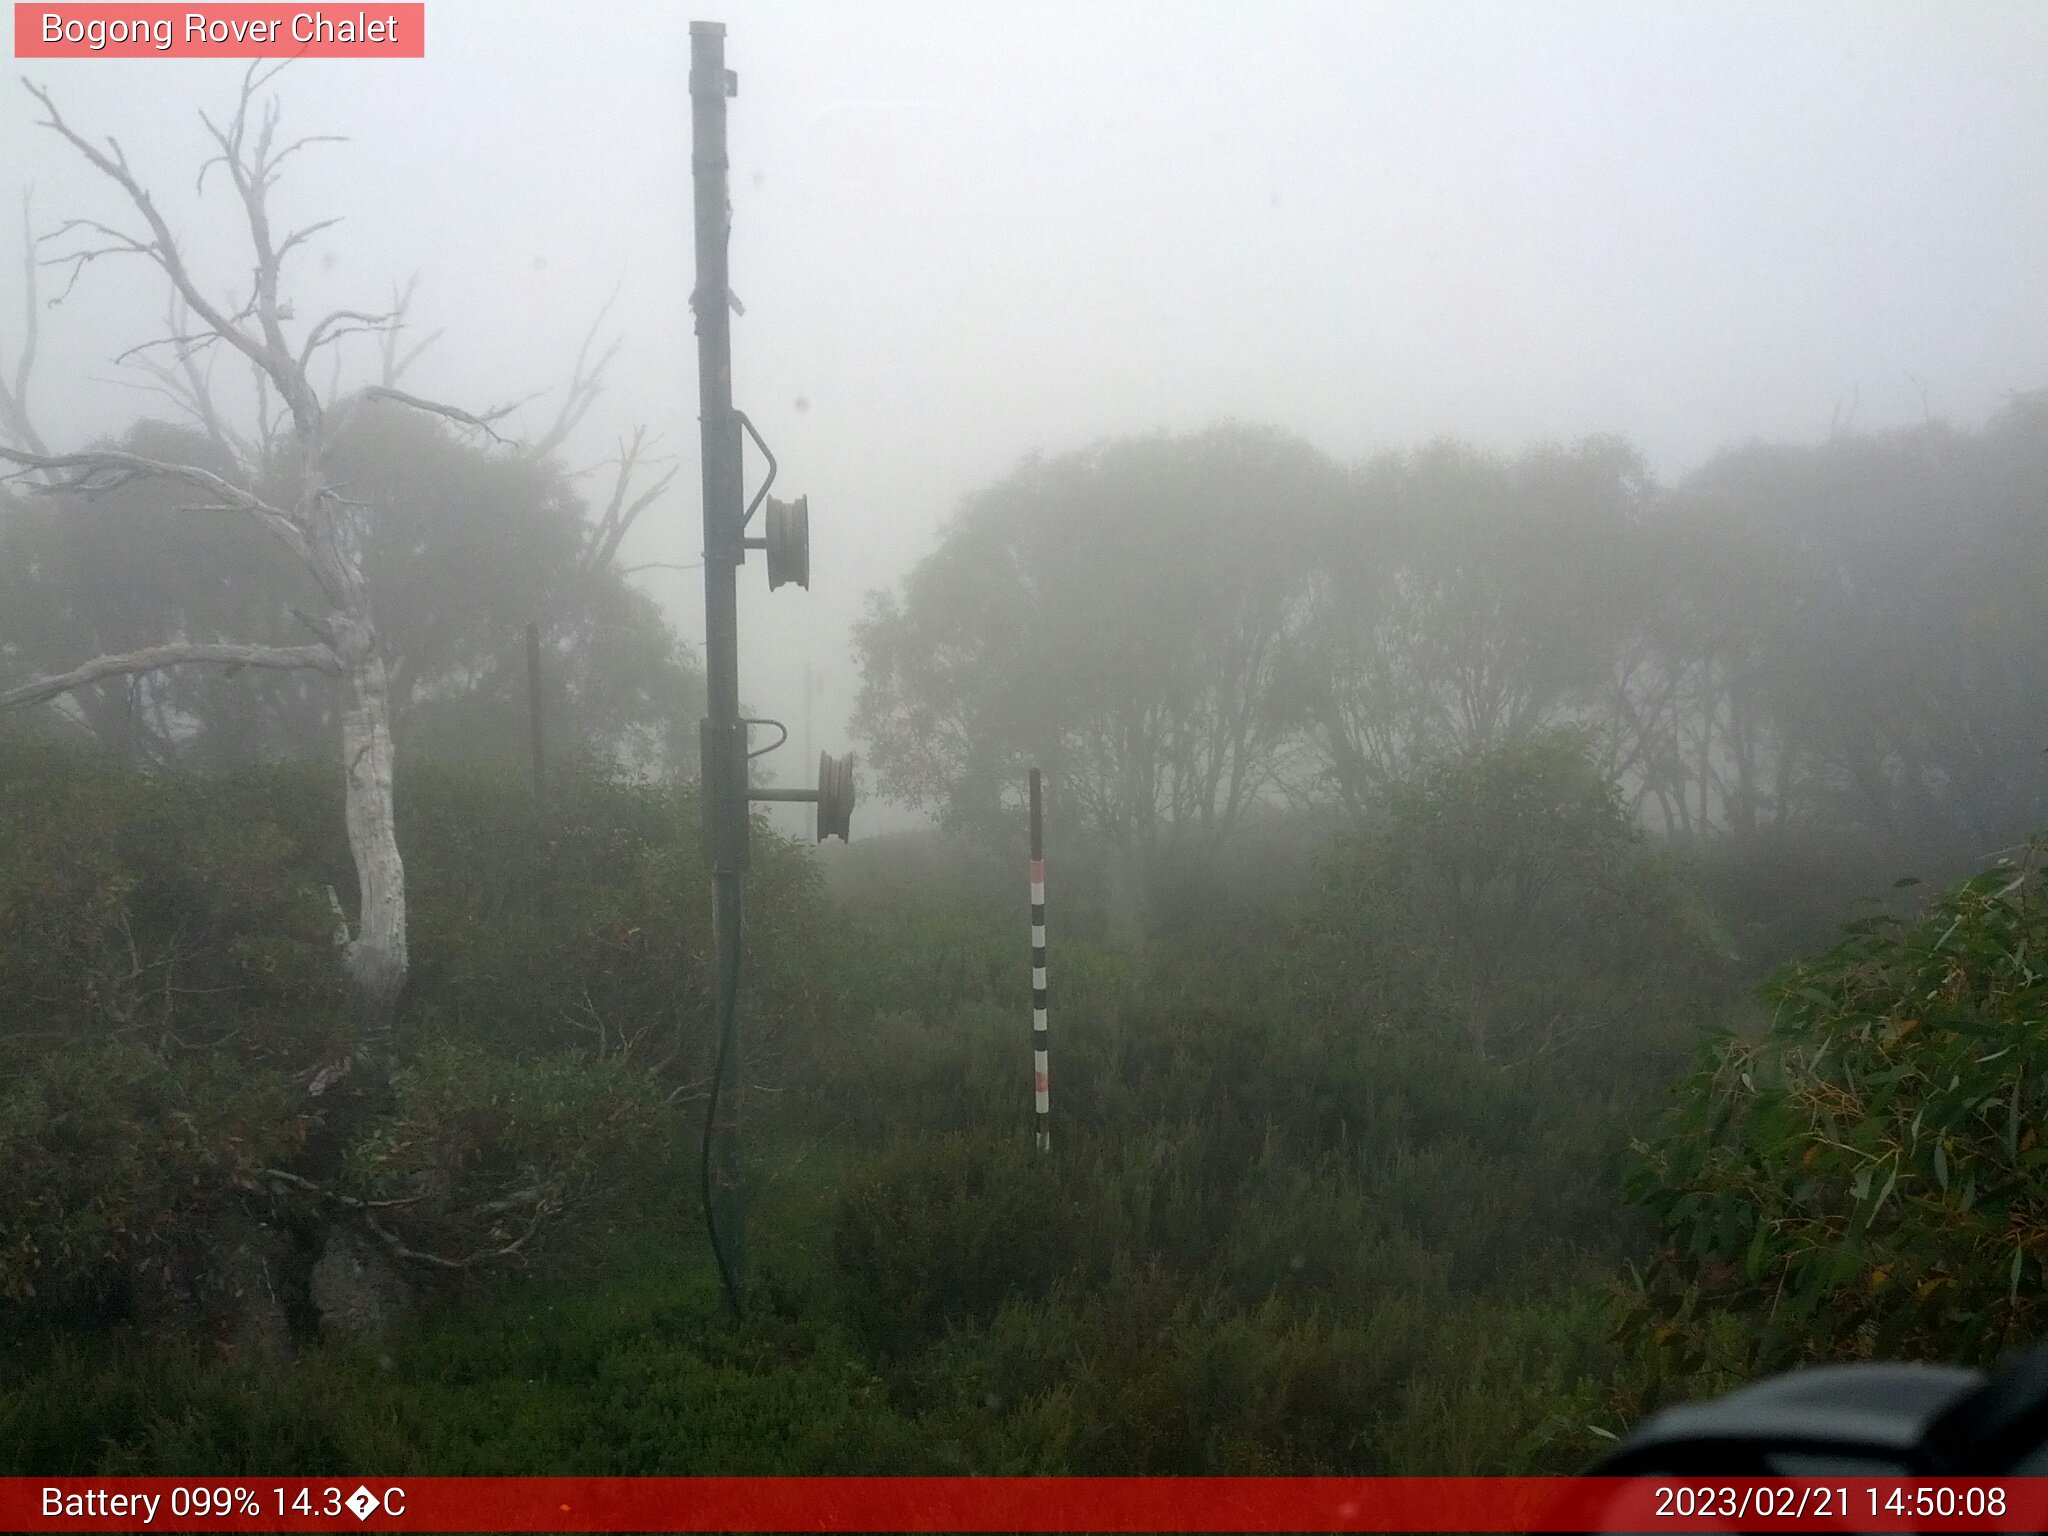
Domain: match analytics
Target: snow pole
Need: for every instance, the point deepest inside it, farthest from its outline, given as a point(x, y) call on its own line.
point(1040, 1039)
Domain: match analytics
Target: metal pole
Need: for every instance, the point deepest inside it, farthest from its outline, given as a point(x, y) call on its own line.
point(1041, 1038)
point(810, 692)
point(724, 782)
point(540, 757)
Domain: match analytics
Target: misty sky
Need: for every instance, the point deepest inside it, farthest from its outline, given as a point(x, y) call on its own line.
point(966, 231)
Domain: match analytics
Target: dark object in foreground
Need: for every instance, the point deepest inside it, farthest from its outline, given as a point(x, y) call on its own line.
point(1879, 1420)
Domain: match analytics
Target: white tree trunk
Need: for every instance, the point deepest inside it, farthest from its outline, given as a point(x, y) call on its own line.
point(376, 956)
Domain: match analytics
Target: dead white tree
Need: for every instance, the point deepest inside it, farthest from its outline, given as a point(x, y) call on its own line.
point(280, 487)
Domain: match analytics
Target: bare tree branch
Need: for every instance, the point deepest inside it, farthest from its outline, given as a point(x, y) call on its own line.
point(163, 249)
point(453, 413)
point(101, 470)
point(586, 382)
point(395, 364)
point(299, 237)
point(268, 421)
point(199, 386)
point(14, 413)
point(187, 387)
point(338, 323)
point(252, 180)
point(161, 381)
point(272, 658)
point(298, 144)
point(120, 244)
point(188, 341)
point(619, 514)
point(300, 1181)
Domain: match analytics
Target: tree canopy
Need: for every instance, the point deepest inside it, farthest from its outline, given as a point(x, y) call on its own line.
point(462, 548)
point(1115, 616)
point(1790, 641)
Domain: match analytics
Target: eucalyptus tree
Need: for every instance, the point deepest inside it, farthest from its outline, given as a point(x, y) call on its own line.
point(1462, 601)
point(1117, 616)
point(1893, 628)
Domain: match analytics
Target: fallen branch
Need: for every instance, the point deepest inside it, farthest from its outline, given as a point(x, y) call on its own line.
point(298, 1181)
point(513, 1250)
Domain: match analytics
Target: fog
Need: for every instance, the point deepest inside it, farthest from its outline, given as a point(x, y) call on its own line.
point(963, 234)
point(1487, 558)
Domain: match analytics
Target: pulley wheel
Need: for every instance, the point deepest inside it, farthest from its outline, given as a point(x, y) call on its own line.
point(789, 542)
point(835, 797)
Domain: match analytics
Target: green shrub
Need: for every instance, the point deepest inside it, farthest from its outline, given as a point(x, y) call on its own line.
point(168, 974)
point(584, 922)
point(487, 1154)
point(156, 910)
point(119, 1164)
point(1506, 898)
point(1150, 1370)
point(1295, 1219)
point(941, 1232)
point(1865, 1179)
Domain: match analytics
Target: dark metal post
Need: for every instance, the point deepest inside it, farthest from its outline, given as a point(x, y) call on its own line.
point(724, 777)
point(540, 757)
point(810, 693)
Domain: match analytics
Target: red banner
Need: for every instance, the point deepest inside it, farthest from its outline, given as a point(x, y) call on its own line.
point(1060, 1504)
point(114, 31)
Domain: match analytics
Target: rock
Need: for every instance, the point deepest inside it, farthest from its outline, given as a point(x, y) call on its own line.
point(356, 1289)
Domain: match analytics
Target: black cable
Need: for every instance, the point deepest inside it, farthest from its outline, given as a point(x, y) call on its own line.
point(728, 1021)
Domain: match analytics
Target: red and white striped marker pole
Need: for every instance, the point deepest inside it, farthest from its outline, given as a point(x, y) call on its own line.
point(1041, 1041)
